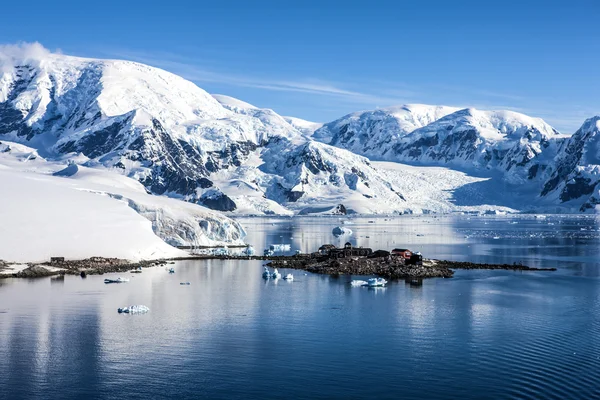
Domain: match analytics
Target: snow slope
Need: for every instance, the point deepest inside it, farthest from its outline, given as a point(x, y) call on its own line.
point(371, 133)
point(480, 140)
point(177, 140)
point(90, 212)
point(304, 126)
point(469, 139)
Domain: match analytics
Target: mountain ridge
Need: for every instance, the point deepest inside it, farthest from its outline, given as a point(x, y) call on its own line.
point(178, 140)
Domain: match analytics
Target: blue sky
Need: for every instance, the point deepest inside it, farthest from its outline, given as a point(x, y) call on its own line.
point(319, 60)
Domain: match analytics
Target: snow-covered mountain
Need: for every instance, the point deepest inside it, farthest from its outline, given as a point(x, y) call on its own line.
point(374, 133)
point(177, 140)
point(433, 135)
point(574, 175)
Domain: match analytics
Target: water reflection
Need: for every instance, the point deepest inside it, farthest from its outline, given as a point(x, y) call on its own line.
point(480, 334)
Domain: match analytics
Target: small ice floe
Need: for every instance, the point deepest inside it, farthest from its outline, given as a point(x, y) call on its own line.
point(266, 273)
point(496, 237)
point(358, 282)
point(140, 309)
point(344, 222)
point(289, 277)
point(376, 282)
point(118, 280)
point(276, 274)
point(184, 283)
point(341, 231)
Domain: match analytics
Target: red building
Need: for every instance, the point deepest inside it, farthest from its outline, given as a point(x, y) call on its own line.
point(404, 253)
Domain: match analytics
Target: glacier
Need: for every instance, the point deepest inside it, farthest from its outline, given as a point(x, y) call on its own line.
point(50, 208)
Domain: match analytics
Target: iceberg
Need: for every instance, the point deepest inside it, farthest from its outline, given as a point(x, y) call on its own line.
point(341, 231)
point(118, 280)
point(376, 282)
point(266, 273)
point(140, 309)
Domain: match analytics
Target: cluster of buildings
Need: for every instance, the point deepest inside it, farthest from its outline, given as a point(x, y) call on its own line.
point(329, 251)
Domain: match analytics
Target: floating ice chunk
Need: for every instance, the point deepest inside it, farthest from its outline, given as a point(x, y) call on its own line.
point(358, 282)
point(280, 247)
point(118, 280)
point(139, 309)
point(341, 231)
point(376, 282)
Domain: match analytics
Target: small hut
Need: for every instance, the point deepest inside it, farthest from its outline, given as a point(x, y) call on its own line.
point(404, 253)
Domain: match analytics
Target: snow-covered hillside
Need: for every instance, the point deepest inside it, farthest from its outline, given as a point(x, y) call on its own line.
point(431, 135)
point(574, 175)
point(373, 133)
point(130, 120)
point(155, 126)
point(304, 126)
point(60, 208)
point(474, 139)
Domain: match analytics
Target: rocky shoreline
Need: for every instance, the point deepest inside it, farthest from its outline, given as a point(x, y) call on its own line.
point(470, 265)
point(389, 268)
point(392, 269)
point(89, 266)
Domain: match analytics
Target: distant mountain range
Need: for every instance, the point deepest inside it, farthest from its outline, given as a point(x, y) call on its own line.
point(225, 154)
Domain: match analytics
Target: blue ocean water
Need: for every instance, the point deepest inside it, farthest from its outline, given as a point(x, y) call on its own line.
point(230, 334)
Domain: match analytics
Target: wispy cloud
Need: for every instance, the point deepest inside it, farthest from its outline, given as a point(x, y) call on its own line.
point(21, 53)
point(329, 95)
point(193, 72)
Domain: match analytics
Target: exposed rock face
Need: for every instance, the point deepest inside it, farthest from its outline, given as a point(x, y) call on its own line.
point(217, 200)
point(340, 209)
point(575, 173)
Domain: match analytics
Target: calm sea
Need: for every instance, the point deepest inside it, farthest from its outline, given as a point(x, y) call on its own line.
point(230, 334)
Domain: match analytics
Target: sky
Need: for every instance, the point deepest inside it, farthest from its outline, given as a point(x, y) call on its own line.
point(319, 60)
